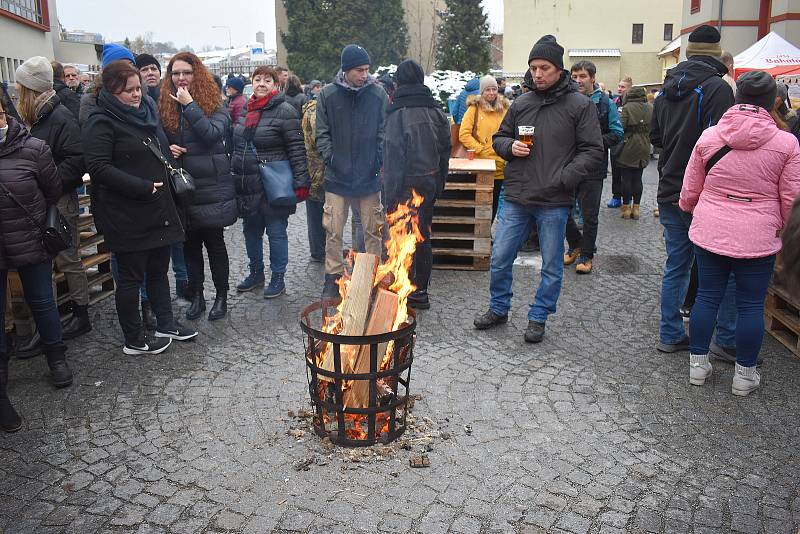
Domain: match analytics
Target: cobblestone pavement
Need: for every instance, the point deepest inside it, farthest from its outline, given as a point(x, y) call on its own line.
point(590, 431)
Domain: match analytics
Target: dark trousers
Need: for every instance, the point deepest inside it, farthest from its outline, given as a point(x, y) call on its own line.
point(316, 232)
point(631, 185)
point(498, 189)
point(214, 240)
point(691, 292)
point(37, 284)
point(588, 193)
point(752, 280)
point(616, 178)
point(131, 269)
point(423, 256)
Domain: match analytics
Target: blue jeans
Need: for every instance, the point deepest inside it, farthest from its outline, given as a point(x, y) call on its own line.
point(316, 232)
point(178, 262)
point(37, 285)
point(275, 226)
point(677, 270)
point(752, 279)
point(513, 226)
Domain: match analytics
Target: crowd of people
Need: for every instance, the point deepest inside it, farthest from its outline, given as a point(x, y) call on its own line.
point(175, 157)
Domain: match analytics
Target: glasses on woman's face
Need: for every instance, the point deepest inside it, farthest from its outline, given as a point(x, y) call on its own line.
point(182, 73)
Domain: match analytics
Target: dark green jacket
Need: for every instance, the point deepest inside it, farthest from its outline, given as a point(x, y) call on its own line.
point(636, 115)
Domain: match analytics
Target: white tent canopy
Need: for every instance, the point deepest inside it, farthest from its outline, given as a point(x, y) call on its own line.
point(773, 54)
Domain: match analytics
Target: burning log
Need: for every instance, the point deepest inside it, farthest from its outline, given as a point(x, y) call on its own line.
point(381, 320)
point(354, 310)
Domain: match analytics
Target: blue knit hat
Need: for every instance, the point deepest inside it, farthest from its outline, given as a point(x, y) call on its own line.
point(114, 52)
point(354, 56)
point(235, 82)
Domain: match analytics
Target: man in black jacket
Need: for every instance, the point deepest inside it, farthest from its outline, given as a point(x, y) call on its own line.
point(67, 96)
point(350, 115)
point(694, 98)
point(540, 181)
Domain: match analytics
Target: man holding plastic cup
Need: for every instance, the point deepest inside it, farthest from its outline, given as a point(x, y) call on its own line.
point(552, 141)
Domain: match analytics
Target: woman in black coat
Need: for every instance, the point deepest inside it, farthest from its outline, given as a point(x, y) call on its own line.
point(269, 130)
point(48, 119)
point(133, 203)
point(29, 184)
point(197, 123)
point(416, 157)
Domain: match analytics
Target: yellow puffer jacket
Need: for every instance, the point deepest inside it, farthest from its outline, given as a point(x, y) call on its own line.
point(488, 124)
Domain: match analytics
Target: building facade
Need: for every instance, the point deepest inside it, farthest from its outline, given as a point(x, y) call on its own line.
point(30, 28)
point(422, 19)
point(622, 38)
point(743, 22)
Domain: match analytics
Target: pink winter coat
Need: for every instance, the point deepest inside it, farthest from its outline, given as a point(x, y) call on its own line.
point(742, 205)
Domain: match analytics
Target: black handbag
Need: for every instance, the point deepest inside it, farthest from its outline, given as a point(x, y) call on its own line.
point(182, 181)
point(56, 231)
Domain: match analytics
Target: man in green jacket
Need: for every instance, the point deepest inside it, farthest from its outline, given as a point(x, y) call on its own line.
point(540, 181)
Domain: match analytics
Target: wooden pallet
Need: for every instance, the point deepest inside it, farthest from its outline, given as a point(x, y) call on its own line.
point(782, 318)
point(462, 217)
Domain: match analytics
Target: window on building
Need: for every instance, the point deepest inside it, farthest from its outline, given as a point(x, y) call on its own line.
point(668, 32)
point(638, 34)
point(695, 6)
point(27, 9)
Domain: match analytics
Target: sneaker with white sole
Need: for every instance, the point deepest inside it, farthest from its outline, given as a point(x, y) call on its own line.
point(699, 369)
point(147, 346)
point(745, 380)
point(178, 333)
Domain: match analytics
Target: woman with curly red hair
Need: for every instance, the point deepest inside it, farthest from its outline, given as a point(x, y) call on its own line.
point(196, 123)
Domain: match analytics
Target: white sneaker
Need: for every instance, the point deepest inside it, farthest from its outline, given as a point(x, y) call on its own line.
point(148, 346)
point(745, 380)
point(699, 369)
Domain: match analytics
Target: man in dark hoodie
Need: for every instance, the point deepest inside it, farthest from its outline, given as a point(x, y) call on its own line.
point(540, 181)
point(350, 119)
point(66, 96)
point(694, 97)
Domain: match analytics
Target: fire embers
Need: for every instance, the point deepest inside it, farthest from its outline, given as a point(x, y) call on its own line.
point(359, 359)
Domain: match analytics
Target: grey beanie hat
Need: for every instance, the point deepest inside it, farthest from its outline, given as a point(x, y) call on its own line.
point(758, 88)
point(36, 74)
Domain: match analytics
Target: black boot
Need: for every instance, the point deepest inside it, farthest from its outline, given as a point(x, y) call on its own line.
point(148, 318)
point(197, 308)
point(220, 307)
point(60, 373)
point(10, 421)
point(79, 323)
point(29, 347)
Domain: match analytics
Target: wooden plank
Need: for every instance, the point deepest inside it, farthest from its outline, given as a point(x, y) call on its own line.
point(381, 320)
point(460, 267)
point(482, 245)
point(465, 186)
point(455, 203)
point(355, 309)
point(472, 165)
point(458, 252)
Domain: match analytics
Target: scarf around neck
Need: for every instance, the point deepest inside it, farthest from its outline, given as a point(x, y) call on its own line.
point(145, 116)
point(415, 95)
point(255, 107)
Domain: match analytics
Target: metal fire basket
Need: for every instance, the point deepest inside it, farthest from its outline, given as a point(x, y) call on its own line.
point(384, 419)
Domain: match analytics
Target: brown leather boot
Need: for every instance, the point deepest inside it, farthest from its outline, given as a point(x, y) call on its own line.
point(635, 212)
point(625, 210)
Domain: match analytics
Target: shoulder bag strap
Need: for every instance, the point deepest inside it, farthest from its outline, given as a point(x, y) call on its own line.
point(148, 142)
point(16, 201)
point(716, 157)
point(475, 122)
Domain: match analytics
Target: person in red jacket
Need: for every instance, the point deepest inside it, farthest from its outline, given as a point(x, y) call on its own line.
point(234, 87)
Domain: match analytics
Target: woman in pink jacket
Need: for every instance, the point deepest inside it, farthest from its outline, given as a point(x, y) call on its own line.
point(740, 200)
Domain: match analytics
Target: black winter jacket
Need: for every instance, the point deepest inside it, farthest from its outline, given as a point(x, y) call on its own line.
point(568, 145)
point(28, 172)
point(277, 137)
point(123, 171)
point(297, 101)
point(417, 145)
point(350, 136)
point(57, 127)
point(694, 98)
point(214, 202)
point(68, 97)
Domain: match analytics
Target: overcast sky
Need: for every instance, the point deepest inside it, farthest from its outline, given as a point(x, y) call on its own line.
point(176, 22)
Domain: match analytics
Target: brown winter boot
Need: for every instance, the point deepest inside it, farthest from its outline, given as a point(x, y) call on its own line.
point(625, 210)
point(635, 212)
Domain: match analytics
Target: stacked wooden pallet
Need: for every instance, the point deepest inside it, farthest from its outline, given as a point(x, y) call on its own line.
point(462, 217)
point(782, 317)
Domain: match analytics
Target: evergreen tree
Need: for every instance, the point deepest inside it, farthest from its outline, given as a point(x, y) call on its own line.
point(319, 29)
point(126, 43)
point(463, 41)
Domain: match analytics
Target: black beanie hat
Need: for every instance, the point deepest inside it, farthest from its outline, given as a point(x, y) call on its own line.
point(758, 88)
point(704, 41)
point(143, 60)
point(548, 49)
point(354, 56)
point(409, 72)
